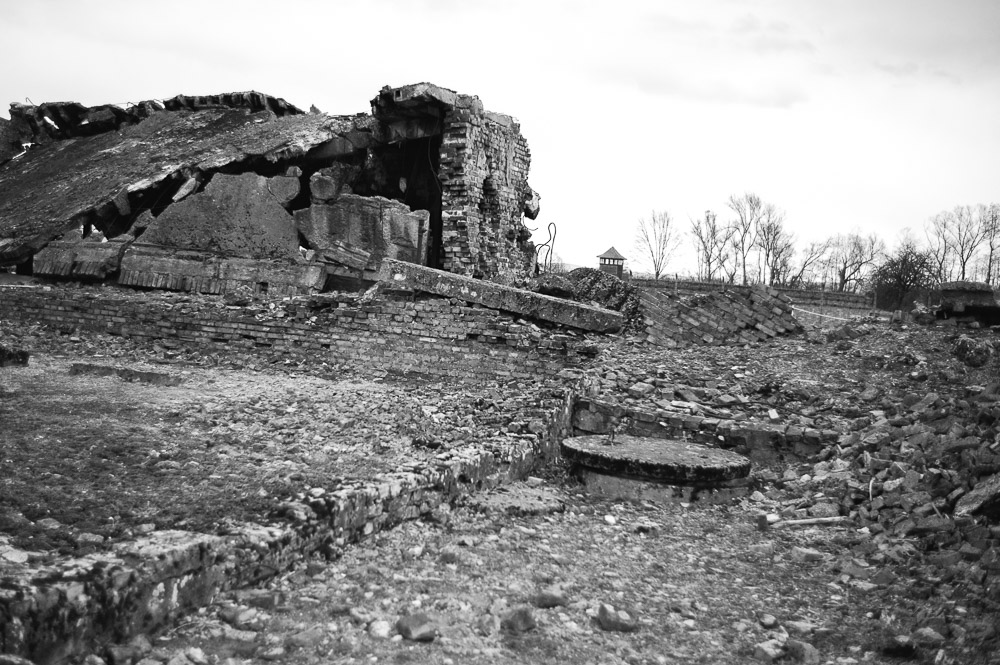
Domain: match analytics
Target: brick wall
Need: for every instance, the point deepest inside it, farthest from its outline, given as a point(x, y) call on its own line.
point(803, 297)
point(729, 317)
point(436, 337)
point(484, 171)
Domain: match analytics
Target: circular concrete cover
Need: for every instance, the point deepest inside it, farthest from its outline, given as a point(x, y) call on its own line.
point(665, 460)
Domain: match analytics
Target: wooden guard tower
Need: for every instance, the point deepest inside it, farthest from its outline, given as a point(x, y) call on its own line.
point(612, 262)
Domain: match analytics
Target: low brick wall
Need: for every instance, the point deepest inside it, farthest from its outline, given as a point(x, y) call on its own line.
point(424, 335)
point(803, 297)
point(52, 612)
point(729, 317)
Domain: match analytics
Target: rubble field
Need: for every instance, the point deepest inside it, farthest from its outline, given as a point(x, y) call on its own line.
point(882, 546)
point(199, 442)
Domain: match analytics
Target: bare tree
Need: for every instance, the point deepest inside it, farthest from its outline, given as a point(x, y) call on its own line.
point(989, 216)
point(851, 257)
point(711, 242)
point(813, 256)
point(748, 209)
point(774, 244)
point(966, 234)
point(954, 237)
point(939, 247)
point(781, 259)
point(657, 238)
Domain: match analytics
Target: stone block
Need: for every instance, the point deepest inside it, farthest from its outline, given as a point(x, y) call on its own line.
point(234, 216)
point(153, 267)
point(326, 185)
point(984, 499)
point(79, 258)
point(284, 189)
point(380, 226)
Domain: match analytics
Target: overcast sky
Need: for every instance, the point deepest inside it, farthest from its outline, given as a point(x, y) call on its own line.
point(867, 115)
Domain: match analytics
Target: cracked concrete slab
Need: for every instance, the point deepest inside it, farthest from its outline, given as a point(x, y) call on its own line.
point(398, 275)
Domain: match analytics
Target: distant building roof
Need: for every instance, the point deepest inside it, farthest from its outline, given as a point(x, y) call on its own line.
point(611, 254)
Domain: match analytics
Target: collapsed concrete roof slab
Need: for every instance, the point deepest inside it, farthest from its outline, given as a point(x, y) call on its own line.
point(399, 275)
point(102, 180)
point(456, 176)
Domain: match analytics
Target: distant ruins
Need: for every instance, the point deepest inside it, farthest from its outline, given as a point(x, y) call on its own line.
point(245, 194)
point(215, 193)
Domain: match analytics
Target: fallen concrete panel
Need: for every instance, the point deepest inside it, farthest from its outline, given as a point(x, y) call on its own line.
point(236, 215)
point(383, 227)
point(398, 275)
point(159, 268)
point(79, 259)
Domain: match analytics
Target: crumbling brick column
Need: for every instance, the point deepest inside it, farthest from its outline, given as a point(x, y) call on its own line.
point(484, 170)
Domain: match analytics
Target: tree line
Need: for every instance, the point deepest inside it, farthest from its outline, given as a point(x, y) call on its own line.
point(751, 245)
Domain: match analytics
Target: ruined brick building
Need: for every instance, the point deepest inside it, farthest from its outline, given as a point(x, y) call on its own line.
point(213, 193)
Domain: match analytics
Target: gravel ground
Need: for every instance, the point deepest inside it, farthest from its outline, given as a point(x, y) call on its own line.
point(678, 583)
point(696, 583)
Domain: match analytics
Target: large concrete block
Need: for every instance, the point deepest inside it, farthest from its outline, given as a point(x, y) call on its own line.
point(284, 188)
point(79, 258)
point(326, 185)
point(236, 215)
point(153, 267)
point(380, 226)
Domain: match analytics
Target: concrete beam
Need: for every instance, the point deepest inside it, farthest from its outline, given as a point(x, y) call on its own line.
point(399, 275)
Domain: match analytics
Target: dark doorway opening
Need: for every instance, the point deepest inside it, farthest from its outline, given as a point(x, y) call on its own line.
point(408, 172)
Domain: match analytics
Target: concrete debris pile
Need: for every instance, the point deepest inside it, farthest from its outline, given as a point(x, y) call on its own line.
point(963, 303)
point(214, 193)
point(974, 352)
point(606, 290)
point(925, 470)
point(729, 317)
